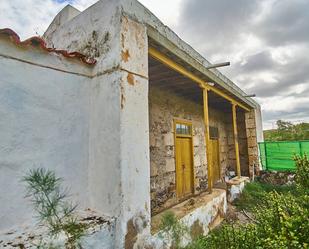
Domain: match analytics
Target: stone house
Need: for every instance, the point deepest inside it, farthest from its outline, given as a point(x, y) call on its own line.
point(135, 121)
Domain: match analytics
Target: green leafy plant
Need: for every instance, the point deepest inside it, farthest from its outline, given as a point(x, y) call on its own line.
point(53, 209)
point(281, 221)
point(173, 228)
point(280, 217)
point(302, 172)
point(228, 236)
point(255, 193)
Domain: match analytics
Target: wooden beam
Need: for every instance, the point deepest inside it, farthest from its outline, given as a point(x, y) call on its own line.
point(173, 65)
point(236, 139)
point(207, 138)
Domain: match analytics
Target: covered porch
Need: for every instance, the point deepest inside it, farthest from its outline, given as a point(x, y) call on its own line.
point(198, 132)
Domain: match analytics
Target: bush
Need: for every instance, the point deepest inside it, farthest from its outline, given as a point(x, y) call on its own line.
point(282, 221)
point(228, 236)
point(302, 172)
point(281, 217)
point(255, 193)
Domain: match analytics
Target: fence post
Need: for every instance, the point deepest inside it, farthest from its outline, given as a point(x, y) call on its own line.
point(300, 149)
point(266, 164)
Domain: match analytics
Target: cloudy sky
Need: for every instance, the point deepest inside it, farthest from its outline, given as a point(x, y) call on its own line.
point(266, 41)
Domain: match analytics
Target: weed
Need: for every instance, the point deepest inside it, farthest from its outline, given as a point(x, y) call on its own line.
point(53, 209)
point(173, 228)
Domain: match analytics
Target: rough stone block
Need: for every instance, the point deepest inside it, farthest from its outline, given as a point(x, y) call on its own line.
point(253, 159)
point(170, 165)
point(251, 132)
point(253, 151)
point(250, 123)
point(169, 151)
point(152, 139)
point(169, 139)
point(252, 142)
point(197, 160)
point(153, 170)
point(196, 141)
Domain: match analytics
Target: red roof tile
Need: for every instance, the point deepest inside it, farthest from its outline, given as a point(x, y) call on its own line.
point(39, 42)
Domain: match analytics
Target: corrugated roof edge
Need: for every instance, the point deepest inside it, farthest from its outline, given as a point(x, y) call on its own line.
point(39, 42)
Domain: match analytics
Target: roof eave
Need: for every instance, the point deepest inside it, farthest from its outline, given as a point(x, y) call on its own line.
point(163, 35)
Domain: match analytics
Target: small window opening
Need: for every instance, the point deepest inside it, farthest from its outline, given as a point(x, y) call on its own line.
point(183, 129)
point(213, 132)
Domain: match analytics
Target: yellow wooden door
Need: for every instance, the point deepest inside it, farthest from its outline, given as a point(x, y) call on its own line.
point(215, 160)
point(184, 166)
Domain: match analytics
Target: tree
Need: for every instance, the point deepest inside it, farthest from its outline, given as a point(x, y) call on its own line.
point(286, 131)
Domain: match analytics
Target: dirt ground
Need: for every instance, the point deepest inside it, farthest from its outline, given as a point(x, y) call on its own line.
point(237, 216)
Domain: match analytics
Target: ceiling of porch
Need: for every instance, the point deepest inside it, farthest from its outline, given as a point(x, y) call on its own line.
point(167, 79)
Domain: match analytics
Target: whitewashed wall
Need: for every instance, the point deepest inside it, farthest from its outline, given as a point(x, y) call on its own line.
point(91, 128)
point(44, 122)
point(119, 130)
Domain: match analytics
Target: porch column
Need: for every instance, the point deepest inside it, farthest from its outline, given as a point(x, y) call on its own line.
point(206, 121)
point(236, 138)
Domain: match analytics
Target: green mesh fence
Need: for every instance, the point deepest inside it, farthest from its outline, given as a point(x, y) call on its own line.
point(279, 155)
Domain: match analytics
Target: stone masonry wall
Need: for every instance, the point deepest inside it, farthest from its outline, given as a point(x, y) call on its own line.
point(252, 142)
point(164, 107)
point(221, 121)
point(242, 142)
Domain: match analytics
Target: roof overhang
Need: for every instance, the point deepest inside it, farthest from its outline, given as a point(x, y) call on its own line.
point(195, 67)
point(165, 40)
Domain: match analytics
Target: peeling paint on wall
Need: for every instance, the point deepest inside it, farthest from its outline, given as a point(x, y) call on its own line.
point(125, 55)
point(130, 79)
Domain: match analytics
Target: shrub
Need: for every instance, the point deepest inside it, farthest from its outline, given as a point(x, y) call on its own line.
point(255, 193)
point(228, 236)
point(302, 172)
point(281, 217)
point(54, 211)
point(282, 221)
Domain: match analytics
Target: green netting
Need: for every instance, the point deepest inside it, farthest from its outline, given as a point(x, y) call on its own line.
point(279, 155)
point(305, 147)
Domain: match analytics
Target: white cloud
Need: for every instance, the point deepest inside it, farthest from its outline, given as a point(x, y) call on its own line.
point(32, 17)
point(266, 41)
point(28, 17)
point(167, 11)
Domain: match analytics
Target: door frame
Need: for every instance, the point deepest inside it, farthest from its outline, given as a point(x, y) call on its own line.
point(185, 122)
